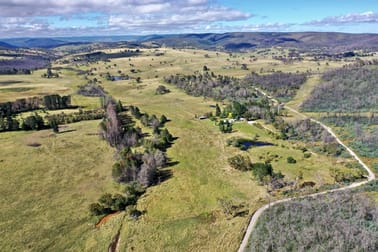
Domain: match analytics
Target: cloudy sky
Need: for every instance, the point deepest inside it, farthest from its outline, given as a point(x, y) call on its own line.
point(34, 18)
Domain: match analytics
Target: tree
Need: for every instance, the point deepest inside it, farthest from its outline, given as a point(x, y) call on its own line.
point(225, 126)
point(163, 120)
point(148, 170)
point(261, 170)
point(217, 110)
point(96, 209)
point(291, 160)
point(53, 122)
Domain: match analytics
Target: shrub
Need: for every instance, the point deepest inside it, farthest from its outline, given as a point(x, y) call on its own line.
point(307, 154)
point(261, 170)
point(239, 162)
point(291, 160)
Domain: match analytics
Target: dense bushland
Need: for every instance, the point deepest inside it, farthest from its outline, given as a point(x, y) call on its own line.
point(219, 87)
point(280, 85)
point(22, 65)
point(346, 89)
point(343, 221)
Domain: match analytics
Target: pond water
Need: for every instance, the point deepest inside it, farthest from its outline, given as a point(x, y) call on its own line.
point(118, 78)
point(248, 144)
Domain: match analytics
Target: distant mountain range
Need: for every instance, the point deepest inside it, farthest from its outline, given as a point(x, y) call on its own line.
point(235, 41)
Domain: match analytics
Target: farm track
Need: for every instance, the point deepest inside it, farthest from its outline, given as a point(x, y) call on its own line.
point(260, 211)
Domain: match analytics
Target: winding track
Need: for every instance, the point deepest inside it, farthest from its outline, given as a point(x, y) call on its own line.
point(257, 214)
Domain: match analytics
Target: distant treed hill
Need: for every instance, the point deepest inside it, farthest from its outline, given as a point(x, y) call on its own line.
point(346, 89)
point(234, 41)
point(331, 42)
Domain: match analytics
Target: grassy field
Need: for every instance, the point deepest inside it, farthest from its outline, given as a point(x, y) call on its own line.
point(48, 188)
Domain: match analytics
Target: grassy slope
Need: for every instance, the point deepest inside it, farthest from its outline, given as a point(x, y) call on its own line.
point(46, 190)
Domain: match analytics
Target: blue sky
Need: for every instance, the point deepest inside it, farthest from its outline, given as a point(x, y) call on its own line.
point(20, 18)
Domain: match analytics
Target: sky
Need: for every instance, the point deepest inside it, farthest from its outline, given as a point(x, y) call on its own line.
point(52, 18)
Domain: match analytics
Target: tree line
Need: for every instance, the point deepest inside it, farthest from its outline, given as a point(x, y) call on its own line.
point(135, 168)
point(36, 122)
point(51, 102)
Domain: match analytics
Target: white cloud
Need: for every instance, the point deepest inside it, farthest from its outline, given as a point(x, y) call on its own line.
point(351, 18)
point(127, 16)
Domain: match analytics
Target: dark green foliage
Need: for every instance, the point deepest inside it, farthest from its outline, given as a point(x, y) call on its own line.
point(261, 170)
point(217, 110)
point(119, 107)
point(20, 105)
point(291, 160)
point(82, 115)
point(97, 209)
point(54, 125)
point(9, 124)
point(135, 112)
point(345, 89)
point(280, 85)
point(342, 221)
point(109, 203)
point(307, 154)
point(163, 120)
point(225, 126)
point(55, 101)
point(240, 162)
point(33, 122)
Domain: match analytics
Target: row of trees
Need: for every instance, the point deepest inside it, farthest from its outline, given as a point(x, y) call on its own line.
point(119, 131)
point(36, 122)
point(136, 169)
point(52, 102)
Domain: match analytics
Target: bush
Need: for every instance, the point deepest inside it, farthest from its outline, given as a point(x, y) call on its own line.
point(291, 160)
point(162, 90)
point(261, 170)
point(307, 154)
point(239, 162)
